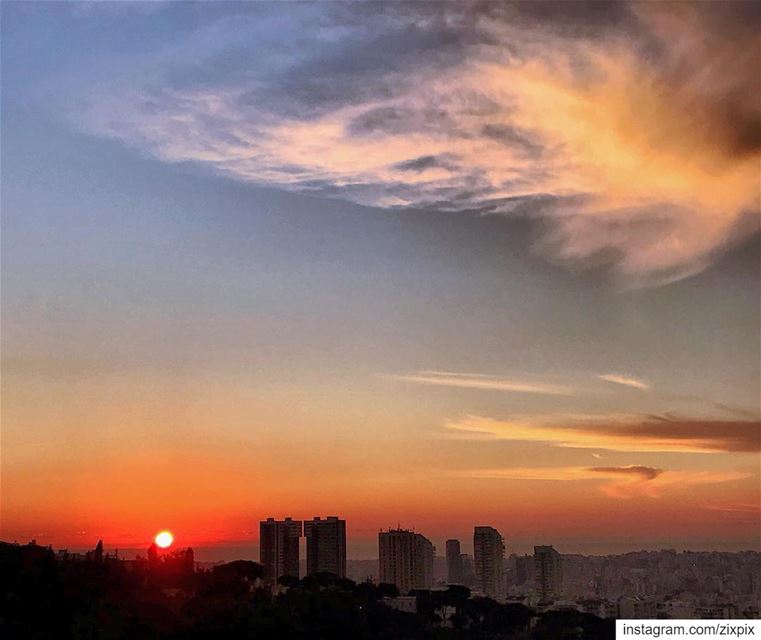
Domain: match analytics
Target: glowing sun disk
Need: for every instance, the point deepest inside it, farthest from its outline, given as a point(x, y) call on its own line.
point(164, 539)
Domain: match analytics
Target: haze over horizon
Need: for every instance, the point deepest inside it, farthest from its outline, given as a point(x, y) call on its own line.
point(435, 264)
point(365, 550)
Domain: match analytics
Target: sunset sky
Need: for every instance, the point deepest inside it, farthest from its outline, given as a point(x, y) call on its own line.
point(435, 265)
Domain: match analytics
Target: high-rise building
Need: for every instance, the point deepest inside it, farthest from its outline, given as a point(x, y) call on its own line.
point(279, 547)
point(454, 562)
point(524, 569)
point(406, 559)
point(427, 552)
point(468, 570)
point(326, 545)
point(489, 554)
point(548, 572)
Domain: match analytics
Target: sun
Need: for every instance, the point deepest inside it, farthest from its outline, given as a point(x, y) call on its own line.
point(164, 539)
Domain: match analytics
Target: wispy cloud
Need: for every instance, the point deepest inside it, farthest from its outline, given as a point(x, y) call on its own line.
point(737, 411)
point(627, 381)
point(735, 508)
point(621, 433)
point(615, 482)
point(480, 381)
point(650, 162)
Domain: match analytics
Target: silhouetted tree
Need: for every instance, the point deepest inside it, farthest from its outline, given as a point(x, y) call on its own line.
point(245, 569)
point(288, 581)
point(111, 599)
point(387, 590)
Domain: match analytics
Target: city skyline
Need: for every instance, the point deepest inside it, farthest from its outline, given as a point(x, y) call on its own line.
point(297, 552)
point(420, 265)
point(663, 584)
point(656, 585)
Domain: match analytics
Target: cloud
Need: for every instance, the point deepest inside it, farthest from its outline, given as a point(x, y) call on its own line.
point(735, 508)
point(644, 473)
point(630, 130)
point(622, 433)
point(626, 381)
point(616, 482)
point(737, 411)
point(480, 381)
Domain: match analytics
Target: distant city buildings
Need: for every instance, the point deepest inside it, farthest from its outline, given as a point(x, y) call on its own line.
point(645, 584)
point(489, 554)
point(639, 585)
point(406, 559)
point(454, 562)
point(279, 547)
point(468, 570)
point(524, 569)
point(548, 572)
point(632, 607)
point(663, 585)
point(326, 545)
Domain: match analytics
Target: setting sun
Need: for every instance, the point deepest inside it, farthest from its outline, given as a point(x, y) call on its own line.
point(164, 539)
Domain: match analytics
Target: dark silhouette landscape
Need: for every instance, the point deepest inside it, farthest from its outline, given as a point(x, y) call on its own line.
point(52, 596)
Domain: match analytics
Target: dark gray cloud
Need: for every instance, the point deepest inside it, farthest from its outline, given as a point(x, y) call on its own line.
point(645, 473)
point(514, 138)
point(725, 435)
point(426, 162)
point(651, 433)
point(400, 120)
point(569, 18)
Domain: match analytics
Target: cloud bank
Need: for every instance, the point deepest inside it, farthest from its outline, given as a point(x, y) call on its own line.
point(631, 131)
point(622, 433)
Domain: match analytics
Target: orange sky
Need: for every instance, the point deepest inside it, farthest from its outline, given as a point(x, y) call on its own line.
point(88, 479)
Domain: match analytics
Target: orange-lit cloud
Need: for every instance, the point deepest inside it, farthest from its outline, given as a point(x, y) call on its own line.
point(480, 381)
point(622, 433)
point(618, 482)
point(637, 144)
point(627, 381)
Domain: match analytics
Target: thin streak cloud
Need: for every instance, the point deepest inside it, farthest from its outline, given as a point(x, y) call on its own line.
point(626, 381)
point(480, 381)
point(735, 508)
point(615, 482)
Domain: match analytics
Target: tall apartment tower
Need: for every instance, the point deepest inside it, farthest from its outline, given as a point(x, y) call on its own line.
point(468, 570)
point(548, 572)
point(279, 547)
point(454, 562)
point(326, 545)
point(524, 569)
point(406, 559)
point(489, 555)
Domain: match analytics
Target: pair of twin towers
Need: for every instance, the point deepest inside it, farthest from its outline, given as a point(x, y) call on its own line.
point(279, 546)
